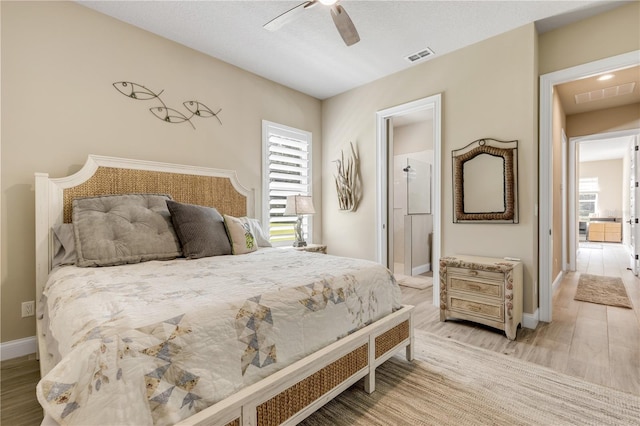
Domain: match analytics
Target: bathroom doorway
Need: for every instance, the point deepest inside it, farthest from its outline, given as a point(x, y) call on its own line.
point(412, 171)
point(419, 124)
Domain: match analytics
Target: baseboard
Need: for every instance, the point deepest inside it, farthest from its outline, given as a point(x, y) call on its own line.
point(17, 348)
point(421, 269)
point(530, 320)
point(557, 281)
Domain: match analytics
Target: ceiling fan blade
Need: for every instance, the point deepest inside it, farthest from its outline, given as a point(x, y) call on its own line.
point(288, 16)
point(344, 25)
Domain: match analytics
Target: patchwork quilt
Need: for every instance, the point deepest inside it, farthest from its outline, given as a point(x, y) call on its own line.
point(156, 342)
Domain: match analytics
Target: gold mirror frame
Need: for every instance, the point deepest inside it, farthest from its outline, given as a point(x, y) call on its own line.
point(508, 151)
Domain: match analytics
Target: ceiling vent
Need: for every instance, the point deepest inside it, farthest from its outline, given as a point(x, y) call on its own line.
point(418, 56)
point(608, 92)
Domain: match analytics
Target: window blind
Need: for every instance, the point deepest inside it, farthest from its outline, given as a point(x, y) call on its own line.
point(286, 171)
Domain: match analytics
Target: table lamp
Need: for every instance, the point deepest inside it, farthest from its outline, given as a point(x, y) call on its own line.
point(299, 205)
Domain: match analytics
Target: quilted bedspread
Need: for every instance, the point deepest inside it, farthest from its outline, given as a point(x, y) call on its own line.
point(155, 342)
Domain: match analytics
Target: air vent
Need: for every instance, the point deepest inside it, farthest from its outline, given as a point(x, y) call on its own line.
point(418, 56)
point(608, 92)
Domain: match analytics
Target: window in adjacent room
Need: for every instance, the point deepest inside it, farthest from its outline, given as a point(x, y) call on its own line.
point(286, 154)
point(588, 199)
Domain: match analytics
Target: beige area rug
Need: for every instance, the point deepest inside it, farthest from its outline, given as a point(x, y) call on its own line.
point(602, 290)
point(419, 281)
point(452, 383)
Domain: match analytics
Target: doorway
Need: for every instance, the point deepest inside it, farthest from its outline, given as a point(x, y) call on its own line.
point(546, 210)
point(426, 107)
point(600, 169)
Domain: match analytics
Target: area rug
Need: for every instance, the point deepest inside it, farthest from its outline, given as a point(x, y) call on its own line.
point(602, 290)
point(420, 282)
point(452, 383)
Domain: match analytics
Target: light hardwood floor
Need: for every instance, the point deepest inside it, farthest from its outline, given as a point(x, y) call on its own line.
point(598, 343)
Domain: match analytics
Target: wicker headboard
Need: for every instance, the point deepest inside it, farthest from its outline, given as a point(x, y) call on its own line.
point(210, 191)
point(109, 175)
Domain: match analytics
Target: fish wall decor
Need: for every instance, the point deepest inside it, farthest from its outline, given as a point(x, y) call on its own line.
point(139, 92)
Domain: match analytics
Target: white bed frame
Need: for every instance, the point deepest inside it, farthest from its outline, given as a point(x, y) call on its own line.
point(309, 383)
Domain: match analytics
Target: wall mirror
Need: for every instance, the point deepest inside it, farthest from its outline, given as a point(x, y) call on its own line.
point(485, 182)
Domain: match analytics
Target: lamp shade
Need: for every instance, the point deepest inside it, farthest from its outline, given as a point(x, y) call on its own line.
point(299, 204)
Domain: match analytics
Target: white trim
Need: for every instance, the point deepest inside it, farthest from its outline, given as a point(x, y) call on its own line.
point(572, 194)
point(547, 82)
point(530, 320)
point(421, 269)
point(563, 194)
point(573, 184)
point(557, 281)
point(17, 348)
point(382, 116)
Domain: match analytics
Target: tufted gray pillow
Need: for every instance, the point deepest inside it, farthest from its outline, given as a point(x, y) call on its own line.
point(200, 230)
point(118, 229)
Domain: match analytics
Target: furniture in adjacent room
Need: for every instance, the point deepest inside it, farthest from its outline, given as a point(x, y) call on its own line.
point(605, 230)
point(483, 290)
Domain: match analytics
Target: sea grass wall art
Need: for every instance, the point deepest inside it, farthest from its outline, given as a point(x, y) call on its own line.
point(170, 115)
point(348, 180)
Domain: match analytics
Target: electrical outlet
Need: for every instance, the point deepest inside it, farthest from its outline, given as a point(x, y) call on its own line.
point(28, 309)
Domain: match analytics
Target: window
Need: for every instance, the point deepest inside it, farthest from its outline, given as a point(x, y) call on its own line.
point(588, 199)
point(286, 154)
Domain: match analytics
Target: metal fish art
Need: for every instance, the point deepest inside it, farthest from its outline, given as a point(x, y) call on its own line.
point(141, 93)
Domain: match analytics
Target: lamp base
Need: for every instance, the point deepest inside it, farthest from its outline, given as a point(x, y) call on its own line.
point(299, 243)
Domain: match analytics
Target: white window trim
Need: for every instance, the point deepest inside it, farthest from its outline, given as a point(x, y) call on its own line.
point(268, 128)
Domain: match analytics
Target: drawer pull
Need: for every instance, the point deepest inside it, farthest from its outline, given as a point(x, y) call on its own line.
point(474, 287)
point(473, 272)
point(474, 308)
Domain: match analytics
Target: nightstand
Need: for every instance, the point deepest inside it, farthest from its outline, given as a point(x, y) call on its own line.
point(482, 289)
point(315, 248)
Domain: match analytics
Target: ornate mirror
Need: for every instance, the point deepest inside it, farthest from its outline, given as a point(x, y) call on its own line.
point(485, 182)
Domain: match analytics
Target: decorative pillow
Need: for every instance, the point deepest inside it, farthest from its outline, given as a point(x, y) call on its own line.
point(254, 227)
point(118, 229)
point(241, 238)
point(64, 245)
point(200, 230)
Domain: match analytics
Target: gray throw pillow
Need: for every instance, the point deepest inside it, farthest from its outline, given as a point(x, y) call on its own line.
point(118, 229)
point(64, 245)
point(200, 229)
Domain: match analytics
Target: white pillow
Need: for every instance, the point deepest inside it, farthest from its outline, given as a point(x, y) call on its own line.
point(254, 227)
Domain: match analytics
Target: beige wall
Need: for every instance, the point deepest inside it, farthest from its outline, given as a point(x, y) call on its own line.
point(488, 90)
point(59, 60)
point(609, 174)
point(605, 120)
point(608, 34)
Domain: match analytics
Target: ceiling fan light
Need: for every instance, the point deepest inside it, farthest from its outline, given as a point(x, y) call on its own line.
point(328, 2)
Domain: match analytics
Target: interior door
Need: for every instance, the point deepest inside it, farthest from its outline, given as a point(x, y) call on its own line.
point(634, 208)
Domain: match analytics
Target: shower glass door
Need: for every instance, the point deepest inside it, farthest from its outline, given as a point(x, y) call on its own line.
point(418, 187)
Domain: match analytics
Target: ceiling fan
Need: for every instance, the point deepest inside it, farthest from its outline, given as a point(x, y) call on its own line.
point(340, 18)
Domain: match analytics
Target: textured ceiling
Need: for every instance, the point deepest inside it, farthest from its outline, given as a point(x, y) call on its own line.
point(308, 54)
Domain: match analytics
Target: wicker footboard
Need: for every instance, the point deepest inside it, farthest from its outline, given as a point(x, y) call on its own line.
point(292, 394)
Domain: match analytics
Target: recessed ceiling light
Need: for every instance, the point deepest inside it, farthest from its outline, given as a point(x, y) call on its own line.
point(605, 77)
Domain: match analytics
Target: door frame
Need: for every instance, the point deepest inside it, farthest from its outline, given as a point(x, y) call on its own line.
point(574, 183)
point(382, 185)
point(547, 83)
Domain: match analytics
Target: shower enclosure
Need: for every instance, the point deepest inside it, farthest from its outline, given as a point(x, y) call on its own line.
point(413, 223)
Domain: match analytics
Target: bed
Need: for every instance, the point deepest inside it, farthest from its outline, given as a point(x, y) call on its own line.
point(258, 337)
